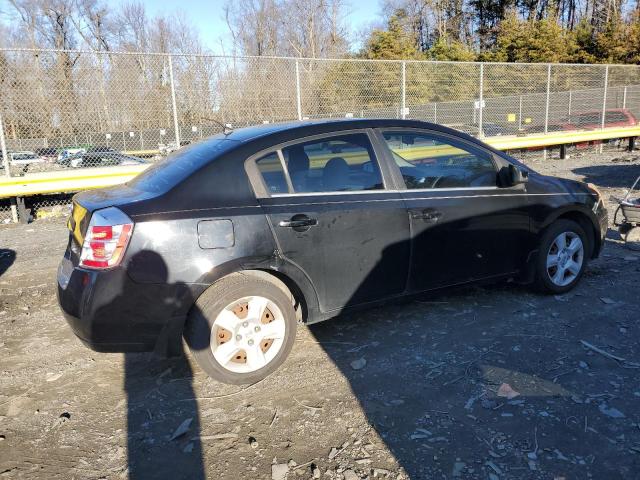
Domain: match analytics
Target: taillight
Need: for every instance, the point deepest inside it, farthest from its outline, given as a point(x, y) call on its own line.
point(106, 239)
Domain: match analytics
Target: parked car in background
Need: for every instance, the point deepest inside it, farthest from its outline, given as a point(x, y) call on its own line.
point(232, 240)
point(67, 152)
point(47, 154)
point(100, 159)
point(166, 149)
point(589, 120)
point(488, 129)
point(23, 159)
point(100, 149)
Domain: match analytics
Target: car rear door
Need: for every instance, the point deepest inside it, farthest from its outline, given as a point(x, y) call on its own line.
point(464, 226)
point(333, 218)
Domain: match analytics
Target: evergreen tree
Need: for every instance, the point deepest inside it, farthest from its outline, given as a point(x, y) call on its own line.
point(393, 43)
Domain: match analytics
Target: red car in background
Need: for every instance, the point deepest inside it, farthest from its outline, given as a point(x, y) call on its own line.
point(614, 117)
point(589, 120)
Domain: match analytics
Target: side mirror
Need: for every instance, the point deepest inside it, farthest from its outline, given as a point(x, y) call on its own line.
point(517, 176)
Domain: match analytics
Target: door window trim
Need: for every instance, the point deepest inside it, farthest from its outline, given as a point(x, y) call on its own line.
point(261, 190)
point(497, 161)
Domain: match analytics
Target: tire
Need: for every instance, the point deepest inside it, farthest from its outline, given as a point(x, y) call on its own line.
point(229, 303)
point(570, 264)
point(632, 238)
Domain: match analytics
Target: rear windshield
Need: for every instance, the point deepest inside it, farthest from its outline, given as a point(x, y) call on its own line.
point(167, 173)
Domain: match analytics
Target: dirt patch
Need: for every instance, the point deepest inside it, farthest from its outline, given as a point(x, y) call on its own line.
point(491, 382)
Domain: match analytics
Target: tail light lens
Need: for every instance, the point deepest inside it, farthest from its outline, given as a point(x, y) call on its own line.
point(106, 239)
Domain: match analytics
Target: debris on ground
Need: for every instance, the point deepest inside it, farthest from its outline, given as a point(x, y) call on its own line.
point(359, 364)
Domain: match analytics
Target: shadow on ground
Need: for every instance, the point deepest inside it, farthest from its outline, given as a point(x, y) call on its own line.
point(436, 382)
point(7, 257)
point(163, 422)
point(161, 404)
point(614, 175)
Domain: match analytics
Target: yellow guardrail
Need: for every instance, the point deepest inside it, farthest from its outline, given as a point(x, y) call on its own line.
point(69, 181)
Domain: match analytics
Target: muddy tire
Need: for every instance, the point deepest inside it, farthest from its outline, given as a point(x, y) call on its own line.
point(632, 238)
point(241, 328)
point(562, 257)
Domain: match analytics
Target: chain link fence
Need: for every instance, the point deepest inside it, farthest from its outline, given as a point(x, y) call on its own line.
point(76, 109)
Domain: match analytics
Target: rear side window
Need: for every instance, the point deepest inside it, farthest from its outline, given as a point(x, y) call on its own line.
point(431, 161)
point(333, 164)
point(272, 173)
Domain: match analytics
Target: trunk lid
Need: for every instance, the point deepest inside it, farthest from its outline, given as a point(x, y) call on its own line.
point(85, 203)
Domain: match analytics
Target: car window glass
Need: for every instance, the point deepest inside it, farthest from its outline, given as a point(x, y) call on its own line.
point(616, 117)
point(272, 173)
point(428, 161)
point(588, 119)
point(333, 164)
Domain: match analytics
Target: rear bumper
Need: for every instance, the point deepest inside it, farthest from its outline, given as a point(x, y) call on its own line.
point(109, 312)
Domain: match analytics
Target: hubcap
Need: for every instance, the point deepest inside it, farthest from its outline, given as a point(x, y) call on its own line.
point(564, 259)
point(247, 334)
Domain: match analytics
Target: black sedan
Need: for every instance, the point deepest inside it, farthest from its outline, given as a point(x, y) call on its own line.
point(231, 241)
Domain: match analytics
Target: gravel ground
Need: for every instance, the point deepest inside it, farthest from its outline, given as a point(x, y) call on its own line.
point(482, 382)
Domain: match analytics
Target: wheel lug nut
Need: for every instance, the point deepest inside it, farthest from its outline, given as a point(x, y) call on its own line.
point(257, 329)
point(250, 342)
point(238, 337)
point(245, 324)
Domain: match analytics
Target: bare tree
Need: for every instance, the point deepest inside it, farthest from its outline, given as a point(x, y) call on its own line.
point(301, 28)
point(315, 28)
point(255, 25)
point(133, 27)
point(94, 23)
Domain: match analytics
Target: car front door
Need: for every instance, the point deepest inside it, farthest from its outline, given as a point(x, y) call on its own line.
point(332, 217)
point(464, 226)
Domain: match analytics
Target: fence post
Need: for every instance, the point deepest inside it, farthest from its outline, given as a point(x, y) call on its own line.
point(546, 107)
point(604, 99)
point(173, 103)
point(7, 166)
point(298, 93)
point(570, 99)
point(624, 97)
point(435, 112)
point(3, 147)
point(481, 101)
point(520, 113)
point(403, 103)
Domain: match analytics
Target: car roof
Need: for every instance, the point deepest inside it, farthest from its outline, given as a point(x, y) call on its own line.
point(589, 112)
point(313, 127)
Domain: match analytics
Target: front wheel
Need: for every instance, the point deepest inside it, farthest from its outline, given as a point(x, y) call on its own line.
point(241, 329)
point(562, 257)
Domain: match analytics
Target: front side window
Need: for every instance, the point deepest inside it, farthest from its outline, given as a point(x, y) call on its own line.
point(333, 164)
point(432, 161)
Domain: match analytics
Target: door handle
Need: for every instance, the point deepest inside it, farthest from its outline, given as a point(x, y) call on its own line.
point(428, 215)
point(298, 222)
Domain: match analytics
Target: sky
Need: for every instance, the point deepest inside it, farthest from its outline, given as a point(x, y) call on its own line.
point(208, 17)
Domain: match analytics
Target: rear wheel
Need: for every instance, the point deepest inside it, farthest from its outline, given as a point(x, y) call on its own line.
point(241, 328)
point(562, 257)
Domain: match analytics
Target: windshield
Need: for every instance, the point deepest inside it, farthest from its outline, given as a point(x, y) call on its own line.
point(167, 173)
